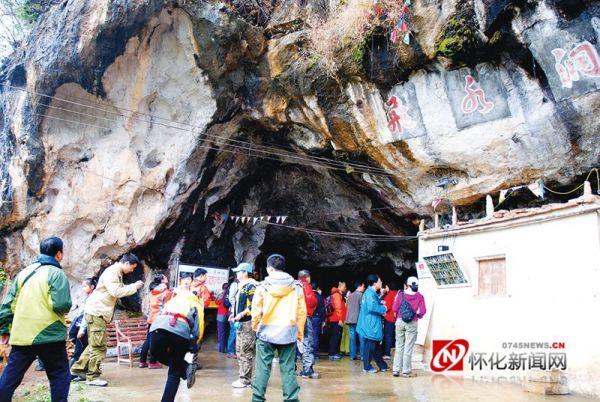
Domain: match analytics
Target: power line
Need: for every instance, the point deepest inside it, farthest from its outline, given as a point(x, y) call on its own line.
point(250, 148)
point(346, 235)
point(361, 168)
point(249, 151)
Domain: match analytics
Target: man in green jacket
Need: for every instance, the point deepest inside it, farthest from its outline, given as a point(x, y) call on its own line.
point(33, 313)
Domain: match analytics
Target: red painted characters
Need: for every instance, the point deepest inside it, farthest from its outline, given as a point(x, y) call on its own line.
point(581, 60)
point(398, 117)
point(475, 99)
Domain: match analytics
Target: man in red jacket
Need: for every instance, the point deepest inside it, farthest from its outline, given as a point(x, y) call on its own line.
point(306, 349)
point(336, 320)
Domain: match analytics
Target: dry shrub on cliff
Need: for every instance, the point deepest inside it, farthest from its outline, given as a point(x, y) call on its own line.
point(257, 12)
point(345, 30)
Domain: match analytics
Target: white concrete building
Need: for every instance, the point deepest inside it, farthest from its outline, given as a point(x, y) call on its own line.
point(530, 275)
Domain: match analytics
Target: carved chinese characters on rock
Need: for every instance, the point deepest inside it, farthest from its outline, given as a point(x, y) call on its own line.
point(398, 117)
point(474, 100)
point(581, 60)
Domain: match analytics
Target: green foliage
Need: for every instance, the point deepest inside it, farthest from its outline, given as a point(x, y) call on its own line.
point(39, 393)
point(313, 60)
point(356, 51)
point(3, 277)
point(31, 10)
point(455, 39)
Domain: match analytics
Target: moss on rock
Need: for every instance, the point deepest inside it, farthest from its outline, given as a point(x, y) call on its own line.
point(455, 39)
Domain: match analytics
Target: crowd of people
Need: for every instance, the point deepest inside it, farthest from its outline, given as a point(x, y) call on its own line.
point(280, 318)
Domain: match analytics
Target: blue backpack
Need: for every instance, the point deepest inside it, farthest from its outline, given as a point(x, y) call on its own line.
point(406, 311)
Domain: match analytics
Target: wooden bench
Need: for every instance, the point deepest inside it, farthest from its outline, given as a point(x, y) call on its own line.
point(127, 334)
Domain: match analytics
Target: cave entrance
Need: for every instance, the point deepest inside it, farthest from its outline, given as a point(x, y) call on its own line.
point(327, 277)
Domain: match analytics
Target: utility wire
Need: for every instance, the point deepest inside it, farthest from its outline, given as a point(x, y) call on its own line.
point(246, 151)
point(257, 147)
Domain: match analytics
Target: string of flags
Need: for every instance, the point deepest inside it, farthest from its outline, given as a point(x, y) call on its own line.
point(220, 218)
point(255, 219)
point(401, 26)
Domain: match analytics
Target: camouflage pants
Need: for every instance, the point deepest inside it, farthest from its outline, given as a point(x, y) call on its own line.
point(245, 341)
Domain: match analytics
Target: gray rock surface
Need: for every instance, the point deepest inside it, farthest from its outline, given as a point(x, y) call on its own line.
point(136, 155)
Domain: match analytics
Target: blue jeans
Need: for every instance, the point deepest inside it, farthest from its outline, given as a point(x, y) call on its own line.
point(354, 337)
point(53, 356)
point(231, 340)
point(389, 330)
point(317, 322)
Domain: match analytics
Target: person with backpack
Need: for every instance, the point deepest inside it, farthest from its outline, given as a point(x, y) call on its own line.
point(159, 294)
point(245, 337)
point(370, 325)
point(409, 307)
point(33, 313)
point(278, 317)
point(353, 304)
point(318, 319)
point(335, 309)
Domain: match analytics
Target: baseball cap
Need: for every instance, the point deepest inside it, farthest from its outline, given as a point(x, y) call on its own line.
point(412, 280)
point(244, 266)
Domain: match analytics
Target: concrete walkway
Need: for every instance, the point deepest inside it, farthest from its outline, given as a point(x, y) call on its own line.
point(341, 382)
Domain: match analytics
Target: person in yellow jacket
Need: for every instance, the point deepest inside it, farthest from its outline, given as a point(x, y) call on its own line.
point(278, 317)
point(98, 313)
point(175, 332)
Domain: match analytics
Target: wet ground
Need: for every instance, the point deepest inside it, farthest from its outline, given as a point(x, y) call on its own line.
point(341, 381)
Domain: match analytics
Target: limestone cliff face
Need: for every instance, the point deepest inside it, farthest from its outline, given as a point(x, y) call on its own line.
point(133, 150)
